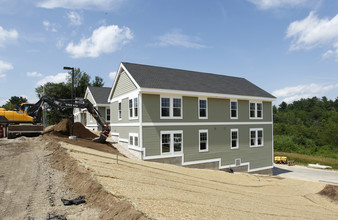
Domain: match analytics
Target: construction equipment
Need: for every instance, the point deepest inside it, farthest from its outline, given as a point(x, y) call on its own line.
point(27, 120)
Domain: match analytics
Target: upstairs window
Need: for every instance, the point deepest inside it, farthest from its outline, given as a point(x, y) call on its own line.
point(203, 108)
point(233, 110)
point(108, 114)
point(119, 110)
point(133, 108)
point(256, 137)
point(171, 107)
point(203, 141)
point(177, 107)
point(256, 110)
point(234, 138)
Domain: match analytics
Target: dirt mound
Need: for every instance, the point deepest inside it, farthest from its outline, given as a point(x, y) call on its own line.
point(64, 127)
point(81, 181)
point(330, 191)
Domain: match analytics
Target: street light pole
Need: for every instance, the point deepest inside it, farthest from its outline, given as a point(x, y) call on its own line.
point(72, 69)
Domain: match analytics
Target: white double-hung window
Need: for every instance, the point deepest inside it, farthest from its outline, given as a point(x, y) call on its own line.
point(119, 110)
point(171, 142)
point(234, 139)
point(202, 108)
point(256, 110)
point(233, 109)
point(203, 141)
point(256, 137)
point(133, 140)
point(133, 108)
point(171, 107)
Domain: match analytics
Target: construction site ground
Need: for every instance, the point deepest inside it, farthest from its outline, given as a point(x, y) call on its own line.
point(37, 172)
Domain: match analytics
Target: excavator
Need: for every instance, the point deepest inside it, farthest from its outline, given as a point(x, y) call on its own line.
point(27, 120)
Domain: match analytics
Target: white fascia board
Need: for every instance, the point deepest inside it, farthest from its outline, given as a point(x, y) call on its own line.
point(203, 123)
point(90, 93)
point(115, 80)
point(102, 105)
point(133, 94)
point(204, 94)
point(120, 70)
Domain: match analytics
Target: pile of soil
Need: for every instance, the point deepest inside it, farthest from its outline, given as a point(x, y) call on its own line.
point(64, 127)
point(330, 191)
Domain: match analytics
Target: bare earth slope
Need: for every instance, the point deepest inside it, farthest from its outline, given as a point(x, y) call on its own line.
point(36, 173)
point(169, 192)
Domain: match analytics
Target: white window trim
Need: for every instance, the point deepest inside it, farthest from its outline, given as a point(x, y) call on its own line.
point(171, 107)
point(172, 152)
point(256, 110)
point(199, 140)
point(256, 141)
point(237, 141)
point(206, 112)
point(118, 110)
point(108, 108)
point(132, 106)
point(133, 135)
point(236, 109)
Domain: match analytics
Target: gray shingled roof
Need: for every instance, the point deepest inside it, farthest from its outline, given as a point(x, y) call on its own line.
point(100, 94)
point(176, 79)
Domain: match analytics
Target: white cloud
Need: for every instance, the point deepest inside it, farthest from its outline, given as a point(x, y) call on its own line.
point(49, 27)
point(74, 18)
point(290, 94)
point(268, 4)
point(5, 35)
point(34, 74)
point(176, 38)
point(314, 32)
point(58, 78)
point(4, 66)
point(81, 4)
point(112, 75)
point(105, 39)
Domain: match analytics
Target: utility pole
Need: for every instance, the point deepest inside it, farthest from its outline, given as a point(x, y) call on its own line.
point(44, 113)
point(72, 69)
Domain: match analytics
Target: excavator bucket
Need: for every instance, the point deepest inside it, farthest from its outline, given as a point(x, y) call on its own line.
point(101, 139)
point(103, 135)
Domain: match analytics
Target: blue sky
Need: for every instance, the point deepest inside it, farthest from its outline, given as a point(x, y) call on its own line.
point(287, 47)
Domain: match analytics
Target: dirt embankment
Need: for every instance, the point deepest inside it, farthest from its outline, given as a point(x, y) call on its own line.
point(80, 180)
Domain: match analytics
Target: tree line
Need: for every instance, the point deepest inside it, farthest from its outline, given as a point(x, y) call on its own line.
point(307, 126)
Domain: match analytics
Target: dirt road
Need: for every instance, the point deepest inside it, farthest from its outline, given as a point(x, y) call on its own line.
point(31, 188)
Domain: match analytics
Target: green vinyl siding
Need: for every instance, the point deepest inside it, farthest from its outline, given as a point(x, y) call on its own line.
point(218, 142)
point(218, 110)
point(125, 112)
point(123, 85)
point(124, 131)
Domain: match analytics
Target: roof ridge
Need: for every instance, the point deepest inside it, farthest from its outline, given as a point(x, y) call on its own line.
point(192, 71)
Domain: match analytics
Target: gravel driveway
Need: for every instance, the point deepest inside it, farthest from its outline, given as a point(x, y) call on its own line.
point(305, 173)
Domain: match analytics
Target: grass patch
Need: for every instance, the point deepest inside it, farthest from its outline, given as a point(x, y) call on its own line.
point(302, 159)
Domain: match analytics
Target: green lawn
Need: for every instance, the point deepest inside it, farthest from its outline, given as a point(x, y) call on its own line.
point(302, 159)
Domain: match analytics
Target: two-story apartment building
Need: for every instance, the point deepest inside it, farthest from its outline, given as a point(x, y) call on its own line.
point(191, 118)
point(98, 96)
